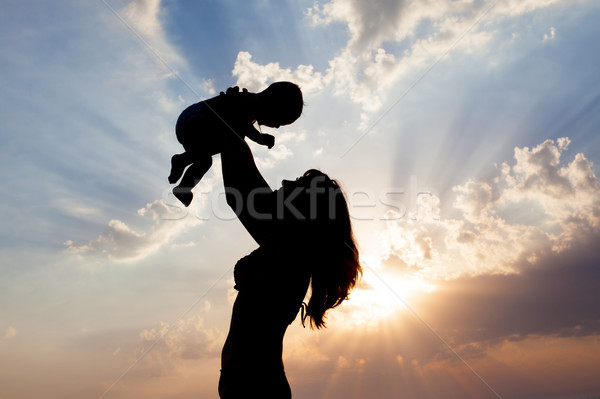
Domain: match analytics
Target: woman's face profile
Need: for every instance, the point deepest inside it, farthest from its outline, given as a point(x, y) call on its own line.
point(289, 183)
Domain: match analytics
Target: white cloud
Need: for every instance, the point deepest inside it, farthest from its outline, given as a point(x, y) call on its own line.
point(549, 36)
point(131, 89)
point(78, 210)
point(288, 135)
point(538, 205)
point(257, 77)
point(187, 339)
point(209, 86)
point(364, 70)
point(120, 242)
point(372, 23)
point(188, 244)
point(277, 153)
point(280, 152)
point(519, 7)
point(143, 15)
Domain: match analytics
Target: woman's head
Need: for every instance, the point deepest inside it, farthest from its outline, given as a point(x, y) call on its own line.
point(316, 203)
point(280, 104)
point(319, 213)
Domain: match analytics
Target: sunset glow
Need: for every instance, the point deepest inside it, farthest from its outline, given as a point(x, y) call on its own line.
point(464, 133)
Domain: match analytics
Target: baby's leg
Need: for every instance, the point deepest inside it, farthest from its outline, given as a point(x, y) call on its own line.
point(178, 165)
point(192, 176)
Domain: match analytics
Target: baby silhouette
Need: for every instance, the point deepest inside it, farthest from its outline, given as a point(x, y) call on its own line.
point(201, 126)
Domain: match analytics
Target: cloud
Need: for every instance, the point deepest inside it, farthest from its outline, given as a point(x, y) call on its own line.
point(549, 36)
point(529, 210)
point(143, 15)
point(518, 7)
point(512, 271)
point(503, 325)
point(289, 135)
point(554, 297)
point(209, 86)
point(120, 242)
point(277, 153)
point(389, 41)
point(144, 18)
point(187, 339)
point(371, 24)
point(101, 139)
point(366, 68)
point(386, 21)
point(268, 158)
point(407, 361)
point(257, 77)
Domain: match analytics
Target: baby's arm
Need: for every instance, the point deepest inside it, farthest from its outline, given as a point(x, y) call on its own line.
point(250, 131)
point(260, 138)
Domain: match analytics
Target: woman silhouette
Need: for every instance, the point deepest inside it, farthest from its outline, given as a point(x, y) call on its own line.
point(305, 238)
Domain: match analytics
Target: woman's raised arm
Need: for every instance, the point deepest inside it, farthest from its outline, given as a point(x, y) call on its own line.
point(246, 190)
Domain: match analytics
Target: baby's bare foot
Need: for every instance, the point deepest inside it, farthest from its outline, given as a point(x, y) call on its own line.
point(183, 194)
point(178, 164)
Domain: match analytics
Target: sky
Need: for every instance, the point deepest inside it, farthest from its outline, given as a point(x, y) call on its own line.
point(464, 133)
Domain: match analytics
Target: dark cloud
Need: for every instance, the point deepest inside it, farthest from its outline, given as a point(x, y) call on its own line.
point(519, 318)
point(557, 296)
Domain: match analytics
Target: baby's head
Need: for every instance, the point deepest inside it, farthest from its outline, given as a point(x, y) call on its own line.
point(279, 104)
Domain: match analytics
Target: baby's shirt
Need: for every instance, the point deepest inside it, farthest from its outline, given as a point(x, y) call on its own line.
point(201, 125)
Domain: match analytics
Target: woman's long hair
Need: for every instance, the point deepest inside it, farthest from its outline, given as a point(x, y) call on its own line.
point(335, 265)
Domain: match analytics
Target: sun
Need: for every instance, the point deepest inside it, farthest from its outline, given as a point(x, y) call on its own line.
point(382, 293)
